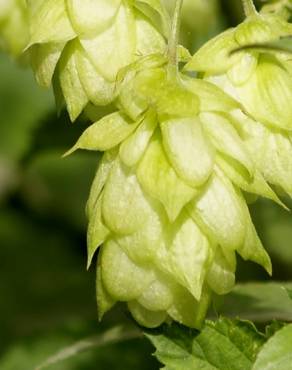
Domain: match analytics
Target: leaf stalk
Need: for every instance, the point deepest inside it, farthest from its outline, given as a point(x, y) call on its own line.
point(174, 36)
point(249, 8)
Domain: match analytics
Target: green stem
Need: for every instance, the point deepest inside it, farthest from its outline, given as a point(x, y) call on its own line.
point(174, 36)
point(114, 335)
point(249, 8)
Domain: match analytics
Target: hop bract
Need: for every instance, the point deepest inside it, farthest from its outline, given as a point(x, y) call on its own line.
point(163, 206)
point(261, 81)
point(14, 31)
point(82, 45)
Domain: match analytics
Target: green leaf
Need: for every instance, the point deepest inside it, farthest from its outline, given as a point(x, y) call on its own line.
point(259, 302)
point(276, 353)
point(289, 292)
point(221, 345)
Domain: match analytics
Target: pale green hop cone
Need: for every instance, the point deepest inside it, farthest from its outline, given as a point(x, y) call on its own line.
point(81, 45)
point(261, 81)
point(14, 29)
point(169, 219)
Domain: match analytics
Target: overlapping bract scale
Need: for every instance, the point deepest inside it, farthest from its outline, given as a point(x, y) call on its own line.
point(260, 80)
point(167, 213)
point(82, 45)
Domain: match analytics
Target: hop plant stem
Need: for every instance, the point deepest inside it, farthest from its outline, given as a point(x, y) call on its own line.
point(174, 37)
point(249, 8)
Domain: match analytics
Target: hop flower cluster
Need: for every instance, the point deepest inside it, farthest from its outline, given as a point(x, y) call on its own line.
point(261, 82)
point(13, 26)
point(82, 45)
point(167, 206)
point(168, 214)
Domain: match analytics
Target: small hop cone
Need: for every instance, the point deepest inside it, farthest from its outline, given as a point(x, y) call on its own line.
point(14, 29)
point(82, 45)
point(168, 217)
point(246, 75)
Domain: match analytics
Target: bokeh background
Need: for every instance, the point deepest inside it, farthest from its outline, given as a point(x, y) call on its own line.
point(47, 298)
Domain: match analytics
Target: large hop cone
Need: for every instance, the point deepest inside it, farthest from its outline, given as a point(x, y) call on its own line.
point(14, 31)
point(261, 81)
point(168, 217)
point(82, 45)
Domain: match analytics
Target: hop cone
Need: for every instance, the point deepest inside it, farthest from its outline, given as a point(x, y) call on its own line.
point(83, 44)
point(261, 81)
point(13, 26)
point(169, 219)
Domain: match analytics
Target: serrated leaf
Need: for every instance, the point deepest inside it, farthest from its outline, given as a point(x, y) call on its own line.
point(221, 345)
point(276, 354)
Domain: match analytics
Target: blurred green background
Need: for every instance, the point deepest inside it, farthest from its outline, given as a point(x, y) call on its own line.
point(47, 298)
